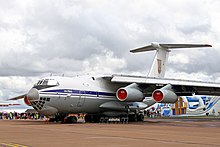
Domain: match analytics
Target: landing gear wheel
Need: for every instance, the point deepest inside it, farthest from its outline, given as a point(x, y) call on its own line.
point(58, 118)
point(132, 118)
point(140, 117)
point(96, 118)
point(52, 120)
point(88, 118)
point(93, 118)
point(71, 120)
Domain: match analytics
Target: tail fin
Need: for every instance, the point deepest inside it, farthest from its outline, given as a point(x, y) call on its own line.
point(158, 67)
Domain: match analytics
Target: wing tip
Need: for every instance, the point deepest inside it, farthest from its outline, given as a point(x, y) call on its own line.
point(132, 51)
point(208, 45)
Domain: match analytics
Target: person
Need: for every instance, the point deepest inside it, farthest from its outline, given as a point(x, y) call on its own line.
point(152, 111)
point(37, 116)
point(6, 115)
point(158, 112)
point(15, 115)
point(10, 116)
point(25, 116)
point(148, 113)
point(213, 112)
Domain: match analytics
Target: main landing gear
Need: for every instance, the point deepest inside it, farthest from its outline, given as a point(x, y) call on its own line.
point(92, 118)
point(136, 117)
point(95, 118)
point(64, 118)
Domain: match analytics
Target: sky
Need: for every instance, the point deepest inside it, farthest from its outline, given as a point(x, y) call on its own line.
point(74, 37)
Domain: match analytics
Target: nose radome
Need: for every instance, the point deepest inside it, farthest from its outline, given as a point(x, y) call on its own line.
point(33, 94)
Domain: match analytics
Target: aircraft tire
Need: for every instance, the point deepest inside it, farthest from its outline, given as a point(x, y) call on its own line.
point(52, 120)
point(140, 117)
point(88, 118)
point(132, 118)
point(96, 118)
point(92, 118)
point(71, 120)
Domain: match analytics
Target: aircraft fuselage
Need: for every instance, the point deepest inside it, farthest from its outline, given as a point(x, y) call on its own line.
point(73, 95)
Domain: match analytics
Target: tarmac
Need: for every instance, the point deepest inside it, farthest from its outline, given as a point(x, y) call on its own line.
point(199, 132)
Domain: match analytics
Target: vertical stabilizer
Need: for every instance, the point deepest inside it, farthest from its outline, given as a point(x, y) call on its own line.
point(158, 68)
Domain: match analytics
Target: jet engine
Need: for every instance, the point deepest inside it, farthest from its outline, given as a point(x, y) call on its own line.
point(130, 93)
point(165, 95)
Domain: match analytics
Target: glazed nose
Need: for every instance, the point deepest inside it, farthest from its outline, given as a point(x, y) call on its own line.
point(33, 94)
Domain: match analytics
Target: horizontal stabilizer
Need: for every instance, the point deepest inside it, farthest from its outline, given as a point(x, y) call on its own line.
point(155, 46)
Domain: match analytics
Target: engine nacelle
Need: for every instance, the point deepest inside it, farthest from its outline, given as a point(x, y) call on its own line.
point(130, 93)
point(165, 95)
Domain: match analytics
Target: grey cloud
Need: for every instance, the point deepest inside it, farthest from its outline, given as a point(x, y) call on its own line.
point(89, 33)
point(207, 63)
point(59, 36)
point(195, 28)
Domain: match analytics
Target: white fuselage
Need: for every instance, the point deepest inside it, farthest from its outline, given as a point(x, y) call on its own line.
point(82, 94)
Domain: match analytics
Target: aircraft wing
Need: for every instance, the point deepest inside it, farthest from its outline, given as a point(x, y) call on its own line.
point(181, 87)
point(18, 97)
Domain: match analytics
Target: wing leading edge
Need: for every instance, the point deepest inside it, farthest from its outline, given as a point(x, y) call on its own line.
point(181, 87)
point(18, 97)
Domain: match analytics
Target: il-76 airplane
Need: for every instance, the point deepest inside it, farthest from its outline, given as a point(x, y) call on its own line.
point(114, 95)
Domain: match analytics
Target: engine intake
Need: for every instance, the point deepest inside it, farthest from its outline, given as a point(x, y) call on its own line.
point(130, 93)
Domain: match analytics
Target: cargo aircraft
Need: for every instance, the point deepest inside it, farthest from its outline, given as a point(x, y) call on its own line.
point(124, 96)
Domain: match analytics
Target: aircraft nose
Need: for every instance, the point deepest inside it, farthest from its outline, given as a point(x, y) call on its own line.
point(33, 94)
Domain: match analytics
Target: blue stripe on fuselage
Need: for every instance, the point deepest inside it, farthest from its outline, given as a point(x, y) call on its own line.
point(79, 92)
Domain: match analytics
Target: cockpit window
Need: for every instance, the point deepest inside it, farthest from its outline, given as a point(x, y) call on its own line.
point(47, 82)
point(52, 82)
point(38, 83)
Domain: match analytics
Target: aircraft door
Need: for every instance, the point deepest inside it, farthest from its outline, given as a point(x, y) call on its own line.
point(81, 99)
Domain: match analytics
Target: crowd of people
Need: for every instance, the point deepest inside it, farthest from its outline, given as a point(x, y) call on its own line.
point(152, 113)
point(16, 115)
